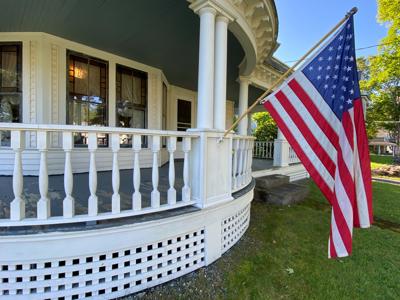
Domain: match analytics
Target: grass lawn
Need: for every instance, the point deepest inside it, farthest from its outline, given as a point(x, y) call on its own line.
point(380, 160)
point(283, 255)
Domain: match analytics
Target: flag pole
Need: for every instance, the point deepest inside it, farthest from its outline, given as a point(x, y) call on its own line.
point(282, 78)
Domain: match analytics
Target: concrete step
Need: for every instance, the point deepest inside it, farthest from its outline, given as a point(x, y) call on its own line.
point(285, 194)
point(271, 181)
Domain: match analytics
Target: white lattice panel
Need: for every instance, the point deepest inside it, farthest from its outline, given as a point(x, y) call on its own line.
point(104, 275)
point(234, 227)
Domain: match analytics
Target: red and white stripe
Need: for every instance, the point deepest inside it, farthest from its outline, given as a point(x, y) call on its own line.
point(334, 152)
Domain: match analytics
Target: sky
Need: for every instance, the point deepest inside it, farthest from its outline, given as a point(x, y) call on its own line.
point(302, 23)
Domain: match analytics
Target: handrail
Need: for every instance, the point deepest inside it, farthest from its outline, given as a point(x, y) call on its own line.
point(96, 129)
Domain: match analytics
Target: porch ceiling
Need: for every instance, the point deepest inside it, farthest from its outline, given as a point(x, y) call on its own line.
point(160, 33)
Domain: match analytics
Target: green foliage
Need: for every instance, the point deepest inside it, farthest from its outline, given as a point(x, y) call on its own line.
point(266, 129)
point(380, 74)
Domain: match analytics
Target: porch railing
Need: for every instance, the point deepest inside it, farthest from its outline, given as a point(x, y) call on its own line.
point(43, 216)
point(263, 149)
point(242, 157)
point(292, 156)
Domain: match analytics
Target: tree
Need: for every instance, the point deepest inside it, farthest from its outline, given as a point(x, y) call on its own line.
point(266, 129)
point(380, 74)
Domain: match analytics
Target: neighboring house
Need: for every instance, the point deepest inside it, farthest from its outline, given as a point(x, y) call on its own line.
point(112, 111)
point(382, 144)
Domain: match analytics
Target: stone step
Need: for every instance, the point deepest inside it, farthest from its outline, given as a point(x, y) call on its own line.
point(285, 194)
point(271, 181)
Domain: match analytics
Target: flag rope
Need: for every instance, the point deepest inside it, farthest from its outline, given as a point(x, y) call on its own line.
point(281, 79)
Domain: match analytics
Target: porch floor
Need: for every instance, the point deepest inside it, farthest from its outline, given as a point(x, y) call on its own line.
point(261, 164)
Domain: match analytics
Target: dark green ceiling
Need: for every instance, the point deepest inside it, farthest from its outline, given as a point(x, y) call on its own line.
point(160, 33)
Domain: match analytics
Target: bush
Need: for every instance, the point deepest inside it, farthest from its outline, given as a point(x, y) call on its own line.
point(266, 129)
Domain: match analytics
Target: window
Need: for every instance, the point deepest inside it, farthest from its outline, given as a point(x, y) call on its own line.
point(10, 86)
point(184, 115)
point(131, 100)
point(87, 94)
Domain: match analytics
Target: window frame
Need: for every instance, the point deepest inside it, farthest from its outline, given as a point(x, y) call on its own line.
point(144, 94)
point(106, 100)
point(102, 140)
point(144, 77)
point(19, 88)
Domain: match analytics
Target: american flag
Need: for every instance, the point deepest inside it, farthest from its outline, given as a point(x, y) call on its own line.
point(320, 112)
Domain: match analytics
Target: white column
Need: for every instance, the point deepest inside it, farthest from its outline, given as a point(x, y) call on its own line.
point(206, 68)
point(243, 104)
point(281, 151)
point(249, 124)
point(221, 45)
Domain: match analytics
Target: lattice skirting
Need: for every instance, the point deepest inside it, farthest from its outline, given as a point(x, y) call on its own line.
point(120, 272)
point(113, 262)
point(234, 227)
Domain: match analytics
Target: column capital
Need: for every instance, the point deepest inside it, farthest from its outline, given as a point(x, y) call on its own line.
point(244, 79)
point(223, 18)
point(207, 9)
point(198, 5)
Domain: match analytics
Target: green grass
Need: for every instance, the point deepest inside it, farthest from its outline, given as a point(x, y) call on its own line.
point(283, 255)
point(380, 160)
point(296, 238)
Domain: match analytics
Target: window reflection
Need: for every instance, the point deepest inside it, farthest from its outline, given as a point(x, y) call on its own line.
point(131, 101)
point(87, 94)
point(10, 86)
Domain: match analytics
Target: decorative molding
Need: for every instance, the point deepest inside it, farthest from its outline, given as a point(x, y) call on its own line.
point(261, 17)
point(55, 53)
point(32, 86)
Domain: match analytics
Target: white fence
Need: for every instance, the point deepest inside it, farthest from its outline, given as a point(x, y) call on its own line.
point(42, 132)
point(292, 156)
point(263, 149)
point(242, 148)
point(242, 158)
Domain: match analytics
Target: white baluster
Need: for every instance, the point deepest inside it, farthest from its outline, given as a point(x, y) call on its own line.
point(263, 150)
point(186, 147)
point(17, 207)
point(235, 145)
point(68, 202)
point(92, 201)
point(240, 167)
point(244, 175)
point(249, 158)
point(136, 197)
point(43, 205)
point(171, 172)
point(116, 198)
point(155, 194)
